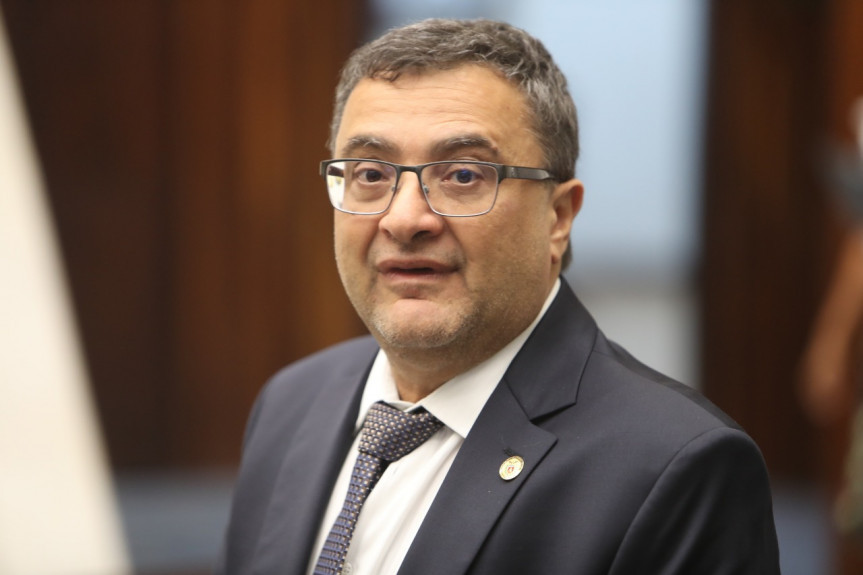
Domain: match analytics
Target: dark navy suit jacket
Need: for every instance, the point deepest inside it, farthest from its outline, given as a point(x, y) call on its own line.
point(626, 471)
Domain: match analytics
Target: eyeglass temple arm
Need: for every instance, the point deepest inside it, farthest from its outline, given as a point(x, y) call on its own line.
point(525, 173)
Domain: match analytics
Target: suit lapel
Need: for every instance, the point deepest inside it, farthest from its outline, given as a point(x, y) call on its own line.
point(305, 480)
point(447, 541)
point(542, 379)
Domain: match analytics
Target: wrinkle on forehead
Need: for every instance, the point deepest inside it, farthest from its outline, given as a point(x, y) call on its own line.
point(364, 145)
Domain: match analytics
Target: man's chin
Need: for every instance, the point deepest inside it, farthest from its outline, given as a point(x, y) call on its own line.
point(414, 337)
point(423, 331)
point(418, 324)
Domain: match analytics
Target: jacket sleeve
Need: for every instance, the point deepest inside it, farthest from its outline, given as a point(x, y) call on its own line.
point(710, 512)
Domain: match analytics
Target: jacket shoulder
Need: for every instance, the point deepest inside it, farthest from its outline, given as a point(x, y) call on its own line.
point(327, 375)
point(345, 360)
point(670, 402)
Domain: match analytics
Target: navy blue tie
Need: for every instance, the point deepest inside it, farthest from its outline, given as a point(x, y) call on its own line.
point(388, 434)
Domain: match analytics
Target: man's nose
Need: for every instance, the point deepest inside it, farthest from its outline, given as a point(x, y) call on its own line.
point(409, 213)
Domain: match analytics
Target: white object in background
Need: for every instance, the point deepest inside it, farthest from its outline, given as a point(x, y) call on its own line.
point(57, 509)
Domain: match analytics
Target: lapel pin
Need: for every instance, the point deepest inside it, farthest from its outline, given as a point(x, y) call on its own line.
point(510, 468)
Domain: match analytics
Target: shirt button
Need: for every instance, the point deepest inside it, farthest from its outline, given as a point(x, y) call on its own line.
point(348, 569)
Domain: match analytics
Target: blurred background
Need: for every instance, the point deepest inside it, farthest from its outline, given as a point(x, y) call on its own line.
point(177, 144)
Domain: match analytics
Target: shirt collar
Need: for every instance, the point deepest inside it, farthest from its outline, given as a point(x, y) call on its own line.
point(458, 402)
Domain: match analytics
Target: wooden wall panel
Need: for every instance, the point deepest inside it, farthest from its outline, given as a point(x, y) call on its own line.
point(766, 224)
point(180, 142)
point(782, 77)
point(265, 290)
point(91, 77)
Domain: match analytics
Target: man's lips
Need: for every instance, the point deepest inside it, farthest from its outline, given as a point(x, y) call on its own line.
point(413, 267)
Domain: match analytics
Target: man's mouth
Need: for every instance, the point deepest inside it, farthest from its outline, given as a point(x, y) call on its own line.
point(415, 268)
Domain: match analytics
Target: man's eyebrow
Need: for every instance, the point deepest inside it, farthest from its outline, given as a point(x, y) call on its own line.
point(452, 146)
point(361, 145)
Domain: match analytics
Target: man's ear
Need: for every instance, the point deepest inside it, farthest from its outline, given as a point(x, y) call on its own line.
point(566, 200)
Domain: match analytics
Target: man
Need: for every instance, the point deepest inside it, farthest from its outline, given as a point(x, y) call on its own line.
point(556, 452)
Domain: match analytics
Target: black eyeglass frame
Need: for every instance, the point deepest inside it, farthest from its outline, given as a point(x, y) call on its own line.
point(503, 172)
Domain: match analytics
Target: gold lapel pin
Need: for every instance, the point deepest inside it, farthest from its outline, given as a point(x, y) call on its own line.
point(510, 468)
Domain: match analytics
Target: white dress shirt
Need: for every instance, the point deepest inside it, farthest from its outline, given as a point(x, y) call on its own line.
point(395, 508)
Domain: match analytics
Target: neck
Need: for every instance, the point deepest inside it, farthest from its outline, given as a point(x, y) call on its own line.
point(418, 374)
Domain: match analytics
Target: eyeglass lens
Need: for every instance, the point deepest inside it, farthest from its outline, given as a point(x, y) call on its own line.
point(453, 188)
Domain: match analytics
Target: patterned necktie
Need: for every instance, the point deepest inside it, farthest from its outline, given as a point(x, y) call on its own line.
point(388, 434)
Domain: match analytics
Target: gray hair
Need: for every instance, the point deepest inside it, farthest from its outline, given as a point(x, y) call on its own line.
point(438, 44)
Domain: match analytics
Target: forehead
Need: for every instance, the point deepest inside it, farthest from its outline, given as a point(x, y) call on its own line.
point(418, 112)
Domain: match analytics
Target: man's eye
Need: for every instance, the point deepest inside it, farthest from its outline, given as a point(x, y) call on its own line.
point(371, 176)
point(464, 176)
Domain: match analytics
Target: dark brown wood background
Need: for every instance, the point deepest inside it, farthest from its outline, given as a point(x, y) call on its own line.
point(782, 77)
point(180, 143)
point(783, 74)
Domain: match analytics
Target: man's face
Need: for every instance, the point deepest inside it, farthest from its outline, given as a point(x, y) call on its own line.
point(424, 282)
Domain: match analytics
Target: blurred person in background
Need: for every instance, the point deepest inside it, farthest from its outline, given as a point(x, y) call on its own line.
point(829, 387)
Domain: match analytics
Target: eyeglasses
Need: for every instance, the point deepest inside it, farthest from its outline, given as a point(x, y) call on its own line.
point(455, 189)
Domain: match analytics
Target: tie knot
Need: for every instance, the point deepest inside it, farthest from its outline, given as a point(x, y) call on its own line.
point(390, 434)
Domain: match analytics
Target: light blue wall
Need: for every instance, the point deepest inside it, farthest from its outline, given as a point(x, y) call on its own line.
point(636, 73)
